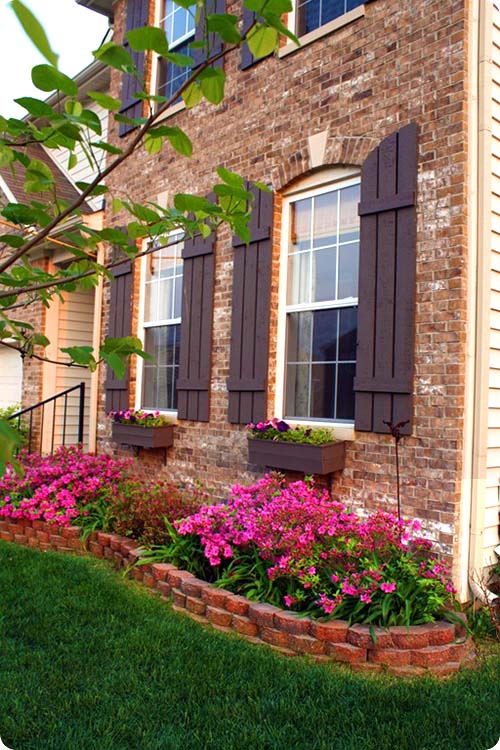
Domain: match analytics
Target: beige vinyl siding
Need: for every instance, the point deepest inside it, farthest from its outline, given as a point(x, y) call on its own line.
point(491, 509)
point(76, 317)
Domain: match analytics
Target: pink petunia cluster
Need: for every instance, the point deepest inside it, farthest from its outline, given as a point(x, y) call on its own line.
point(329, 553)
point(57, 488)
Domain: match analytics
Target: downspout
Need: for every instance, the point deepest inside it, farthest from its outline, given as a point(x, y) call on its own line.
point(476, 436)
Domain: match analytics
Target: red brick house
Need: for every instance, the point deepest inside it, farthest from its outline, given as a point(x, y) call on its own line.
point(369, 292)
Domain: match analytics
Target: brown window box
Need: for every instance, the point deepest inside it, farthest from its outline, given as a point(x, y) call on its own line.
point(309, 459)
point(161, 436)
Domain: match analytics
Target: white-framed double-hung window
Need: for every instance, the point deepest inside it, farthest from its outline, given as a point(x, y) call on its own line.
point(179, 27)
point(321, 251)
point(162, 303)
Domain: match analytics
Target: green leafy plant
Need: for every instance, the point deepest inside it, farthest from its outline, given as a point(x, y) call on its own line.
point(279, 430)
point(139, 417)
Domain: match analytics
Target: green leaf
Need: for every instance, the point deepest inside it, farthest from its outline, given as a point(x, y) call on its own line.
point(35, 107)
point(34, 31)
point(116, 205)
point(7, 156)
point(144, 213)
point(81, 355)
point(19, 213)
point(73, 107)
point(176, 58)
point(212, 84)
point(230, 178)
point(232, 192)
point(47, 78)
point(97, 190)
point(13, 240)
point(176, 137)
point(226, 26)
point(91, 120)
point(185, 202)
point(263, 187)
point(262, 41)
point(10, 438)
point(116, 236)
point(116, 57)
point(146, 38)
point(38, 339)
point(104, 146)
point(153, 145)
point(72, 161)
point(192, 95)
point(105, 101)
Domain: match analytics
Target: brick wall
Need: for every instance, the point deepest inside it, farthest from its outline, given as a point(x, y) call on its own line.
point(401, 62)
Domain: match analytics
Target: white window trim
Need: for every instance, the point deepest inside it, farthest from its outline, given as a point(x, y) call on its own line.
point(321, 31)
point(325, 182)
point(141, 326)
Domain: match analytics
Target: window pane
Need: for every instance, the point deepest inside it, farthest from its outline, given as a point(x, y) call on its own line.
point(158, 387)
point(345, 391)
point(325, 336)
point(297, 391)
point(348, 330)
point(323, 391)
point(324, 274)
point(299, 337)
point(166, 292)
point(349, 218)
point(299, 266)
point(151, 302)
point(308, 16)
point(325, 219)
point(348, 270)
point(350, 4)
point(301, 225)
point(177, 297)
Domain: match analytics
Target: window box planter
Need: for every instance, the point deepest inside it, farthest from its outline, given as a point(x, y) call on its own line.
point(309, 459)
point(161, 436)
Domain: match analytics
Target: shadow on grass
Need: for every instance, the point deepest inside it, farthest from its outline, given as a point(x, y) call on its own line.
point(90, 662)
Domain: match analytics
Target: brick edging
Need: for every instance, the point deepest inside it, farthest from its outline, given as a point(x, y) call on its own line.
point(440, 648)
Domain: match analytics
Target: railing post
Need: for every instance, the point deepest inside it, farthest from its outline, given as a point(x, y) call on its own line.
point(80, 412)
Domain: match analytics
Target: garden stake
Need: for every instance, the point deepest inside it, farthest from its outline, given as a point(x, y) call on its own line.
point(396, 434)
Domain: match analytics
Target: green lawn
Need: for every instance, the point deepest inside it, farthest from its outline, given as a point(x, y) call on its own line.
point(90, 662)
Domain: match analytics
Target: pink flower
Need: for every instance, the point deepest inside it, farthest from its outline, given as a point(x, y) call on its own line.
point(388, 588)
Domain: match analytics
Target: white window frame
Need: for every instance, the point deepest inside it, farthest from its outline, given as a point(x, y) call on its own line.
point(321, 31)
point(155, 68)
point(141, 332)
point(315, 185)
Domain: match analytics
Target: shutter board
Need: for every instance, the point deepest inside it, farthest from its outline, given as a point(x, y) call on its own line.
point(120, 324)
point(193, 384)
point(137, 16)
point(384, 369)
point(247, 382)
point(216, 44)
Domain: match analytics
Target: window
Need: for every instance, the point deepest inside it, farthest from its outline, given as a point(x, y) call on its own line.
point(321, 302)
point(179, 27)
point(311, 14)
point(162, 326)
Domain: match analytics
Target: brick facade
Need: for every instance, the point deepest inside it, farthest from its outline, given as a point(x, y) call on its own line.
point(401, 62)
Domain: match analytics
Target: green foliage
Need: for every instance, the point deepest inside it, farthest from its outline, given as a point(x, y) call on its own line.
point(34, 31)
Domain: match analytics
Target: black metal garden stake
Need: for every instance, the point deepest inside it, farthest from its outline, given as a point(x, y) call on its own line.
point(396, 434)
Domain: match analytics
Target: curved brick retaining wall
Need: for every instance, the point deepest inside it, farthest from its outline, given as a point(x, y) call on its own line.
point(440, 648)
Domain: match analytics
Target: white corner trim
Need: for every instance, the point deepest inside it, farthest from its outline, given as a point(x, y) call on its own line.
point(7, 191)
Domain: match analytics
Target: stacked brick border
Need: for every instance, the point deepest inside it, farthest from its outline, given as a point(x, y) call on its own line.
point(439, 649)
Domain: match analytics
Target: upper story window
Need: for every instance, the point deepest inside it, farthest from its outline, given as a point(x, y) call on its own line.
point(179, 27)
point(311, 14)
point(321, 302)
point(162, 326)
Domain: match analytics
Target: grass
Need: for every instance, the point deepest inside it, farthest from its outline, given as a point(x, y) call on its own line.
point(91, 662)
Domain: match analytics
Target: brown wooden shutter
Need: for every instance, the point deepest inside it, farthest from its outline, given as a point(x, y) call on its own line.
point(193, 383)
point(384, 369)
point(216, 44)
point(247, 59)
point(120, 324)
point(247, 383)
point(137, 16)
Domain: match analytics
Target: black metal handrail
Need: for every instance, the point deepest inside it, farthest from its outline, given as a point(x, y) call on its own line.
point(42, 404)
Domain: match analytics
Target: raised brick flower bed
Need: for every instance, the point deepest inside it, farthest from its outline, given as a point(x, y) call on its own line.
point(440, 648)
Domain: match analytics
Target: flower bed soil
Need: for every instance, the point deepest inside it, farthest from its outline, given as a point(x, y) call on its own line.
point(440, 648)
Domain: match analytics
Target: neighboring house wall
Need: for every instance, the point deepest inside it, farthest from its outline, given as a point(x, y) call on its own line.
point(11, 377)
point(328, 105)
